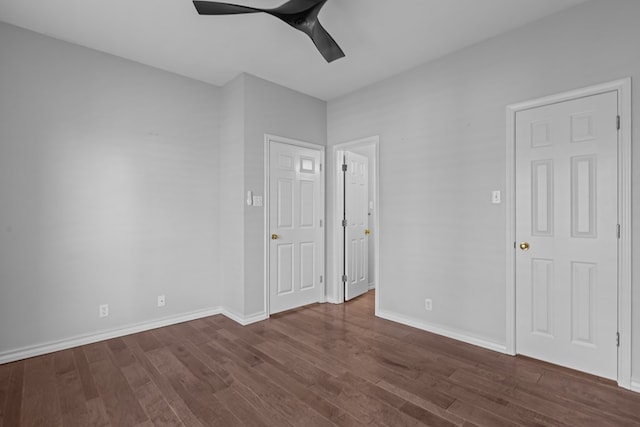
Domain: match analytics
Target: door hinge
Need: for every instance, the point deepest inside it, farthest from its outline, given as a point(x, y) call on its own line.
point(618, 122)
point(619, 231)
point(344, 278)
point(320, 167)
point(320, 223)
point(344, 223)
point(617, 339)
point(344, 168)
point(320, 279)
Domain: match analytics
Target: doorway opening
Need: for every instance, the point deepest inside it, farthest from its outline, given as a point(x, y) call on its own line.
point(356, 213)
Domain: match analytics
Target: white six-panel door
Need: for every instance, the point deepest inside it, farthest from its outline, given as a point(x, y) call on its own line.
point(566, 228)
point(357, 230)
point(296, 209)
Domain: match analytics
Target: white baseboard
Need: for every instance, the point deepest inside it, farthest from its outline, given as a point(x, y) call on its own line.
point(50, 347)
point(244, 320)
point(334, 301)
point(456, 335)
point(79, 340)
point(635, 386)
point(372, 285)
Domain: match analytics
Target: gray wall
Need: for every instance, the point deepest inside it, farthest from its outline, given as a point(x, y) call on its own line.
point(108, 190)
point(442, 133)
point(276, 110)
point(231, 159)
point(253, 107)
point(120, 182)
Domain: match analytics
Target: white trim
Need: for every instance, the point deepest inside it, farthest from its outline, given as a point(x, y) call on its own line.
point(338, 290)
point(52, 346)
point(439, 330)
point(635, 386)
point(245, 320)
point(268, 139)
point(79, 340)
point(623, 88)
point(372, 285)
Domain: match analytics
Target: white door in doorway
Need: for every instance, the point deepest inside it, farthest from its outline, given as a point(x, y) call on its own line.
point(356, 203)
point(566, 230)
point(296, 238)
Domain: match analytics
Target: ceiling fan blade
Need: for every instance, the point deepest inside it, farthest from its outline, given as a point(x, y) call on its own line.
point(300, 14)
point(297, 6)
point(214, 8)
point(325, 43)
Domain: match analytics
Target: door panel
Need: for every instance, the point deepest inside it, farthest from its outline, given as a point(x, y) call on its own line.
point(284, 261)
point(307, 265)
point(541, 296)
point(296, 207)
point(566, 210)
point(357, 216)
point(285, 203)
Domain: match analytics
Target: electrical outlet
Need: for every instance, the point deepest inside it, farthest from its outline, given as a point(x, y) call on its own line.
point(496, 197)
point(161, 301)
point(104, 310)
point(428, 305)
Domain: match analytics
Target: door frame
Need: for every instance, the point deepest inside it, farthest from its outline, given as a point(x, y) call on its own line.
point(374, 141)
point(268, 139)
point(623, 88)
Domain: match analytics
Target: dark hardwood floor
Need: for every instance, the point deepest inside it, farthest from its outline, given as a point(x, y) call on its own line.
point(316, 366)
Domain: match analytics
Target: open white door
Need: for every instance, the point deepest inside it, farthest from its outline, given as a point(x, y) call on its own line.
point(296, 209)
point(567, 233)
point(356, 225)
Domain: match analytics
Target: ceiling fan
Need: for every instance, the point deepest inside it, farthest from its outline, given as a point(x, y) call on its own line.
point(300, 14)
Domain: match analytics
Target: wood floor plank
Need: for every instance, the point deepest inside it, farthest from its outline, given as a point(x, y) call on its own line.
point(121, 405)
point(290, 409)
point(421, 402)
point(242, 409)
point(319, 365)
point(479, 415)
point(174, 400)
point(155, 405)
point(12, 409)
point(97, 413)
point(40, 405)
point(120, 353)
point(73, 405)
point(593, 395)
point(292, 382)
point(88, 385)
point(135, 375)
point(147, 341)
point(5, 375)
point(197, 393)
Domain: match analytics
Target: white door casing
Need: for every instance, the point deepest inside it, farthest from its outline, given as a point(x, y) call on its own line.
point(356, 208)
point(566, 211)
point(295, 224)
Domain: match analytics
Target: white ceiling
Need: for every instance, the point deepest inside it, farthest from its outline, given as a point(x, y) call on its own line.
point(380, 38)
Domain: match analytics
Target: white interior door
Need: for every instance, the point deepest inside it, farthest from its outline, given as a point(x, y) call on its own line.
point(296, 209)
point(566, 226)
point(356, 203)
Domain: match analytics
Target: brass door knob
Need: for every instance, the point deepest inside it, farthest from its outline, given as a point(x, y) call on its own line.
point(274, 237)
point(524, 246)
point(367, 231)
